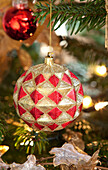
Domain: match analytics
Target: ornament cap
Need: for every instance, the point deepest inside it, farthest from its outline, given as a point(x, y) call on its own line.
point(49, 59)
point(20, 4)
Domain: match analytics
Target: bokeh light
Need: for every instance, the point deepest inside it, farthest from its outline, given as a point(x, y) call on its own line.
point(87, 102)
point(101, 70)
point(100, 105)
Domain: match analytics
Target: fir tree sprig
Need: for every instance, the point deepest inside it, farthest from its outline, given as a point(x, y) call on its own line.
point(30, 140)
point(77, 16)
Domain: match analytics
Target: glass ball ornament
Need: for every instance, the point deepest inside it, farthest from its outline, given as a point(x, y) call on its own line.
point(48, 96)
point(18, 21)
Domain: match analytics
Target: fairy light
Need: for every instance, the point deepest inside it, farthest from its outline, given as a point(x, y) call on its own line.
point(3, 149)
point(87, 102)
point(101, 70)
point(100, 105)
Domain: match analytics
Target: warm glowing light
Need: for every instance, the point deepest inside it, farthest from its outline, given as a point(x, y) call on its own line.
point(100, 105)
point(101, 70)
point(87, 102)
point(31, 34)
point(3, 149)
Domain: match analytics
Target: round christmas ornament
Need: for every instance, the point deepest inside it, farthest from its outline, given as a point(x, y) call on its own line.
point(48, 96)
point(18, 21)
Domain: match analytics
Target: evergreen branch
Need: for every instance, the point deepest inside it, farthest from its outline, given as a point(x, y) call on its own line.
point(80, 48)
point(77, 16)
point(23, 138)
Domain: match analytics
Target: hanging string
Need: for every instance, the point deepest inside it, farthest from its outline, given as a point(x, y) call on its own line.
point(50, 38)
point(50, 24)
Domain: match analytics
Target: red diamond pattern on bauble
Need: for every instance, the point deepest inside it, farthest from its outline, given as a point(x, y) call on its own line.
point(55, 113)
point(72, 95)
point(21, 93)
point(15, 89)
point(72, 111)
point(73, 75)
point(54, 126)
point(28, 77)
point(39, 126)
point(81, 90)
point(56, 97)
point(21, 110)
point(54, 80)
point(23, 74)
point(39, 79)
point(67, 79)
point(66, 124)
point(36, 113)
point(36, 96)
point(29, 124)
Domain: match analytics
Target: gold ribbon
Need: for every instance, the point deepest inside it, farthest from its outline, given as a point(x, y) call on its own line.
point(50, 38)
point(50, 23)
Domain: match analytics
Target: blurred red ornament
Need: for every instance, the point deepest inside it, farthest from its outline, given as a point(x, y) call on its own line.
point(18, 21)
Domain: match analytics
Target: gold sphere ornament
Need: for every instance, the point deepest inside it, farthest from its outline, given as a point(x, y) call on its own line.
point(48, 96)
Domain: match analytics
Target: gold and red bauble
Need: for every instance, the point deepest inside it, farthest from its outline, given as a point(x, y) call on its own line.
point(48, 96)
